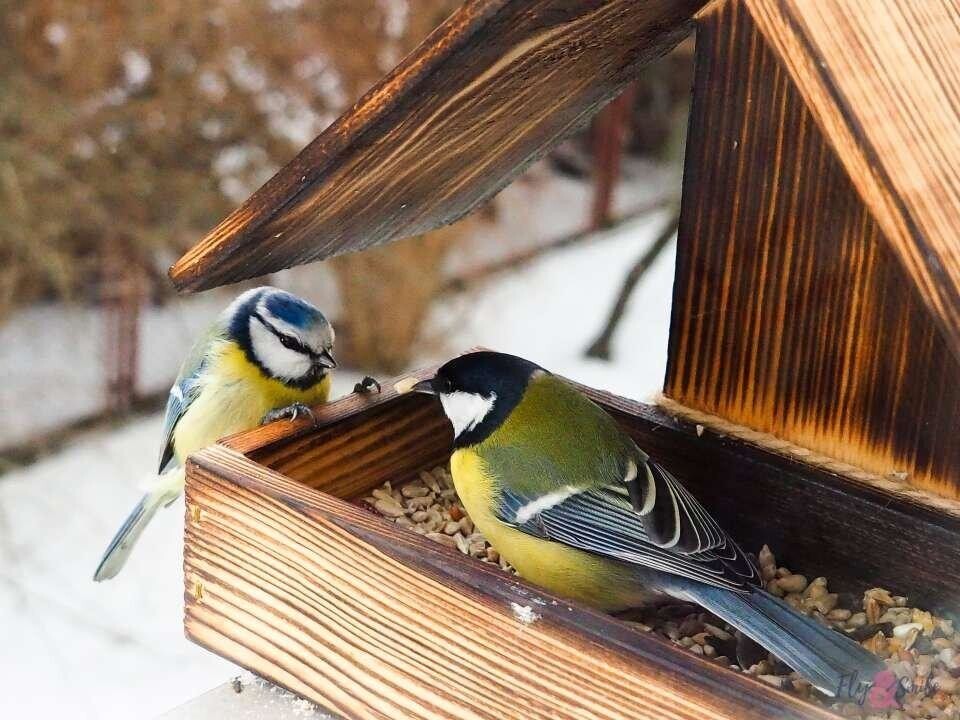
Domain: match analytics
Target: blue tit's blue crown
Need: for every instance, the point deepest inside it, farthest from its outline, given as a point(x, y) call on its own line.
point(278, 303)
point(296, 324)
point(292, 309)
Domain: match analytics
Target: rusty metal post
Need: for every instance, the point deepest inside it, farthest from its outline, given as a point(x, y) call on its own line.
point(122, 290)
point(609, 131)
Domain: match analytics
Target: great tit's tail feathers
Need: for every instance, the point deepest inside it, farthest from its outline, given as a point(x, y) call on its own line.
point(117, 552)
point(832, 662)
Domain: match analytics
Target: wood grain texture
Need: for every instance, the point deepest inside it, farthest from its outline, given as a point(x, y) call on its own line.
point(487, 93)
point(353, 443)
point(882, 79)
point(372, 621)
point(792, 314)
point(393, 439)
point(267, 437)
point(342, 607)
point(817, 523)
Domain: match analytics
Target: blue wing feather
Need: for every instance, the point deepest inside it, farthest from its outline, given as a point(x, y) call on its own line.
point(186, 388)
point(181, 396)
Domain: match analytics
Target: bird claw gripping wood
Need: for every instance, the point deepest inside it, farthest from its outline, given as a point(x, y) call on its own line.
point(367, 385)
point(291, 412)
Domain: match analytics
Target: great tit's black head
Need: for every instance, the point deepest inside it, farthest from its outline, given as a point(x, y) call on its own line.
point(478, 391)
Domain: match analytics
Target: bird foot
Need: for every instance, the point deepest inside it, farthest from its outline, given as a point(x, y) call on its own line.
point(367, 385)
point(290, 412)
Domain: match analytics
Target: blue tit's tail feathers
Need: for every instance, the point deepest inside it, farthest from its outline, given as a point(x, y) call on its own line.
point(832, 662)
point(115, 557)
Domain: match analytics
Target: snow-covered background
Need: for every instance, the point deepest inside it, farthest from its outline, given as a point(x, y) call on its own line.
point(72, 648)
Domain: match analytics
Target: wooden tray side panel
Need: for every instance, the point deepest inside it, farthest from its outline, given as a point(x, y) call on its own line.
point(354, 443)
point(487, 93)
point(791, 315)
point(374, 622)
point(859, 535)
point(393, 440)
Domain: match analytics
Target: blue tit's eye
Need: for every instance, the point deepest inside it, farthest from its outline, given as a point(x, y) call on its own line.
point(290, 343)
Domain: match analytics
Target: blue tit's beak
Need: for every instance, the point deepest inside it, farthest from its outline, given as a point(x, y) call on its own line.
point(326, 360)
point(409, 385)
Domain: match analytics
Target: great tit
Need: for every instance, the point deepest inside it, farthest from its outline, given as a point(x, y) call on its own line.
point(267, 356)
point(570, 501)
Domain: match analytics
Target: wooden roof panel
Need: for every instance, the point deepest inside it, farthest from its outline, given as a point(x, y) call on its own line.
point(489, 91)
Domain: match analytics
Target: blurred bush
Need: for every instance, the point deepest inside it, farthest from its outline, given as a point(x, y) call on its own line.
point(386, 293)
point(128, 129)
point(139, 125)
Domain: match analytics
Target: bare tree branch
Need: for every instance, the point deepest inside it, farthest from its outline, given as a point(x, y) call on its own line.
point(600, 348)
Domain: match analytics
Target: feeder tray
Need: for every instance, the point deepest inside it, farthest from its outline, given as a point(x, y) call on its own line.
point(290, 579)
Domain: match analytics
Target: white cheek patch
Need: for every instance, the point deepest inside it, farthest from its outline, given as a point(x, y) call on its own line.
point(466, 410)
point(280, 362)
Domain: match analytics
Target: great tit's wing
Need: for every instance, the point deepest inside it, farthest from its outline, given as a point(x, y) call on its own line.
point(185, 389)
point(656, 524)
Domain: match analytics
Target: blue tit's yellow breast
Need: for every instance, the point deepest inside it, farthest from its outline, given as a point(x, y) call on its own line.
point(234, 396)
point(596, 581)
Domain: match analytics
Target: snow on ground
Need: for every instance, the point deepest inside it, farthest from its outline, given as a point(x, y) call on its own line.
point(551, 310)
point(72, 648)
point(542, 205)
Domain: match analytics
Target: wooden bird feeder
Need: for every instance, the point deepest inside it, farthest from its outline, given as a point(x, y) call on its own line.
point(813, 386)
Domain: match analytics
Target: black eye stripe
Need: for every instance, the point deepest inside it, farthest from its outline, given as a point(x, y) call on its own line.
point(287, 341)
point(292, 343)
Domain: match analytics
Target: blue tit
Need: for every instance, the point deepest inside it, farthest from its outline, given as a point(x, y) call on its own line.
point(267, 356)
point(570, 501)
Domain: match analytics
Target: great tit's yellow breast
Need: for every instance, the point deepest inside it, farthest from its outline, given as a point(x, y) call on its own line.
point(599, 582)
point(235, 396)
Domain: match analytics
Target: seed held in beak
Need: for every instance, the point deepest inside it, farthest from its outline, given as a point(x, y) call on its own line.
point(412, 384)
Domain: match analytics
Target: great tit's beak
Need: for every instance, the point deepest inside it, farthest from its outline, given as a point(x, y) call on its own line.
point(326, 360)
point(411, 384)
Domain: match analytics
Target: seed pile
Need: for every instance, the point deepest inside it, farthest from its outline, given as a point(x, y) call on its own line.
point(922, 650)
point(429, 506)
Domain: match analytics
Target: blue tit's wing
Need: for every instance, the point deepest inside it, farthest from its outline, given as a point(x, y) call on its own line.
point(645, 518)
point(186, 388)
